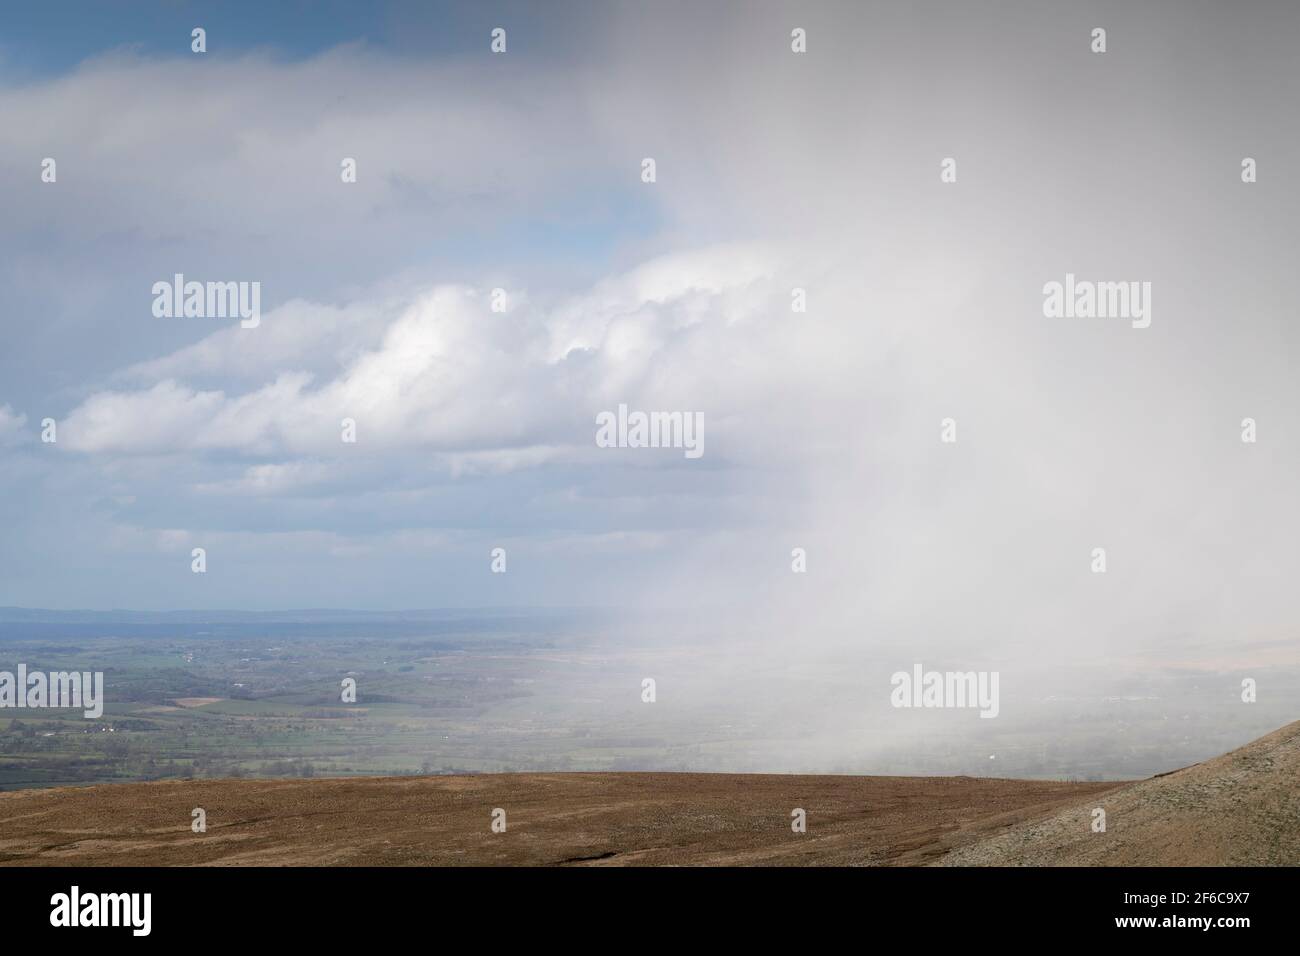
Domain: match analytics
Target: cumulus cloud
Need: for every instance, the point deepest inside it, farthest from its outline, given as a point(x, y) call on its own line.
point(487, 389)
point(299, 334)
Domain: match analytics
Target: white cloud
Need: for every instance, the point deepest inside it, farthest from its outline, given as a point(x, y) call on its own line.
point(235, 146)
point(11, 426)
point(488, 390)
point(166, 417)
point(298, 334)
point(271, 479)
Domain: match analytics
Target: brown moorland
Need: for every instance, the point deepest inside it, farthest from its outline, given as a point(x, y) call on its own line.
point(1240, 808)
point(551, 819)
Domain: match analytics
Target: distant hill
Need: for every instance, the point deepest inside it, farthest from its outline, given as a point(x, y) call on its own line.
point(17, 615)
point(17, 623)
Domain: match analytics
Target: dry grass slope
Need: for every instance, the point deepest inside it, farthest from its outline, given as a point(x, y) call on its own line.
point(553, 819)
point(1240, 809)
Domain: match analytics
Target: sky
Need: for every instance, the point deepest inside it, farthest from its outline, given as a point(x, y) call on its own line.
point(775, 171)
